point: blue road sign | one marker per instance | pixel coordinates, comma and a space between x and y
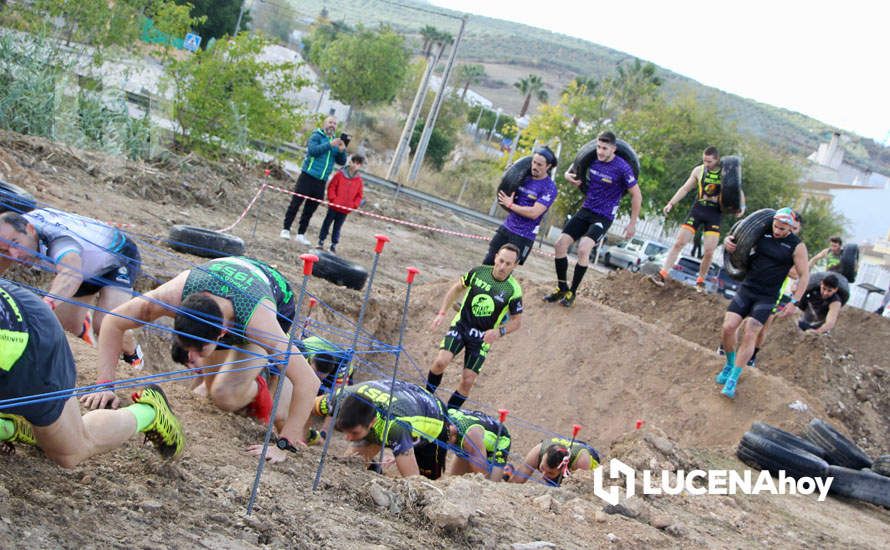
192, 41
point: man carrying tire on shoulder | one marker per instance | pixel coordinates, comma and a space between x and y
820, 306
527, 207
773, 254
610, 177
91, 260
35, 360
248, 307
831, 255
322, 152
706, 214
490, 293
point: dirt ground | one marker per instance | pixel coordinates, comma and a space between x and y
626, 352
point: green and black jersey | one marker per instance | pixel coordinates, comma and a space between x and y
576, 448
487, 300
416, 413
464, 420
245, 282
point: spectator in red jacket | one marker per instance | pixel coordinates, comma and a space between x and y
344, 195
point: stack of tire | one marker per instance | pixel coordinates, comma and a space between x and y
821, 452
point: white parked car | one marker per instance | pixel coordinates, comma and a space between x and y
635, 252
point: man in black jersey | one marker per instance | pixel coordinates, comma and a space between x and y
773, 255
491, 293
820, 307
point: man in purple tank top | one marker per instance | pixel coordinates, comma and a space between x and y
610, 177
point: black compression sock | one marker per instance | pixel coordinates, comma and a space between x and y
457, 400
432, 381
562, 268
580, 270
754, 355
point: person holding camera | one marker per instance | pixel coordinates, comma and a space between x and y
322, 152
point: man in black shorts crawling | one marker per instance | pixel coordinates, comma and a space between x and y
490, 293
415, 427
773, 255
35, 360
820, 307
610, 177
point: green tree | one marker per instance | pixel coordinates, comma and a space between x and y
437, 150
225, 97
530, 86
633, 85
221, 17
470, 74
820, 222
323, 33
275, 19
365, 68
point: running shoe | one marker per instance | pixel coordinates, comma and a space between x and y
285, 234
134, 360
723, 375
87, 331
720, 351
656, 278
165, 432
729, 388
24, 432
556, 296
315, 437
700, 286
568, 300
752, 362
300, 238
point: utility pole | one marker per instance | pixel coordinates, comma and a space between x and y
437, 104
240, 15
413, 114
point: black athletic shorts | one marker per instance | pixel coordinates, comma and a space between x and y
123, 277
46, 364
748, 304
459, 337
587, 224
504, 236
706, 216
430, 456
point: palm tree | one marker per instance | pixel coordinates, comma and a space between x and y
470, 74
430, 35
532, 85
634, 84
577, 90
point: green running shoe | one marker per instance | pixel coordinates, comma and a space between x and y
24, 432
165, 432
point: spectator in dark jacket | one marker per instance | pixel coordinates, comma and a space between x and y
322, 152
344, 195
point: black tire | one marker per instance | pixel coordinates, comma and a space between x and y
843, 287
586, 155
205, 243
881, 465
839, 450
731, 185
515, 175
769, 455
746, 232
786, 439
15, 199
850, 261
335, 269
864, 486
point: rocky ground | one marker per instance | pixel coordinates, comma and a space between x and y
627, 352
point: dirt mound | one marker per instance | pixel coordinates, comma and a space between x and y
846, 371
619, 356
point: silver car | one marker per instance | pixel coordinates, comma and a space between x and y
635, 252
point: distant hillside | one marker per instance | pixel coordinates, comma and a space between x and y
508, 48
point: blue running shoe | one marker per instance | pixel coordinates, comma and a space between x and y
723, 375
729, 389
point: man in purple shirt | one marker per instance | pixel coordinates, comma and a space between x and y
527, 207
610, 177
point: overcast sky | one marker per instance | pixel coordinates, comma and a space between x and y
828, 60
